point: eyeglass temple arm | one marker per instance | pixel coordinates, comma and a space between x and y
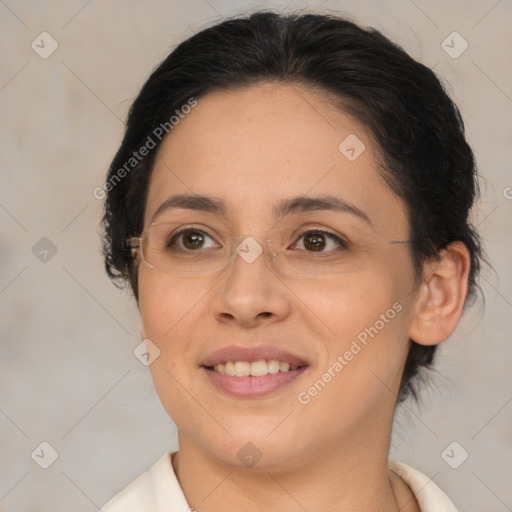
133, 244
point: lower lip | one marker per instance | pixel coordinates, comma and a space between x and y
252, 387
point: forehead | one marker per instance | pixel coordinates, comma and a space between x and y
253, 147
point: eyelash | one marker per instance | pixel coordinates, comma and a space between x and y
344, 244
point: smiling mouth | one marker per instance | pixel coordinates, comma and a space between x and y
253, 369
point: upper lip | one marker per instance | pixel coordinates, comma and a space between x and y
252, 354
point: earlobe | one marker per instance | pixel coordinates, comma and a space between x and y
441, 296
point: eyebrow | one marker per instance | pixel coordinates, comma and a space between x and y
297, 204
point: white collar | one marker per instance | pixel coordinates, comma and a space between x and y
158, 490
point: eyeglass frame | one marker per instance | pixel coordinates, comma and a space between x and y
135, 245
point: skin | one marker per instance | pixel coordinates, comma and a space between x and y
252, 148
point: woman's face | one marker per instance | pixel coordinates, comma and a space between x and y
252, 150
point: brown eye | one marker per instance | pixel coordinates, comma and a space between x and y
314, 242
317, 241
189, 239
193, 240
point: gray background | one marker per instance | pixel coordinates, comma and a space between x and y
68, 373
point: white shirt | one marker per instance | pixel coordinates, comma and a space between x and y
158, 490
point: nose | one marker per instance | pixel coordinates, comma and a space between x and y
251, 291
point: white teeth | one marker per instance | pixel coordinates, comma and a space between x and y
273, 366
230, 368
254, 369
242, 369
259, 368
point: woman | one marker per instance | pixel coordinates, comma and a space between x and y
290, 208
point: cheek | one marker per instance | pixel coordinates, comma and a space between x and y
368, 317
165, 301
169, 310
175, 315
361, 363
356, 302
166, 311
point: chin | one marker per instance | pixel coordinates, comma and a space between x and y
251, 449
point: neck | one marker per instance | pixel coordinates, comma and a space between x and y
351, 476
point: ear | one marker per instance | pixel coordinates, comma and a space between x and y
441, 296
